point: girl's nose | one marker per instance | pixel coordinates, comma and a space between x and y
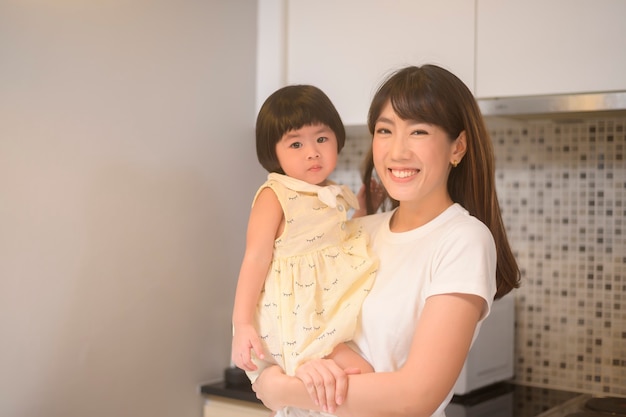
313, 154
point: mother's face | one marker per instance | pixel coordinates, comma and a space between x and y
413, 159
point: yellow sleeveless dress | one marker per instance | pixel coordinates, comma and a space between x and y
320, 274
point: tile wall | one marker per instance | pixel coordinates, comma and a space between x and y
562, 189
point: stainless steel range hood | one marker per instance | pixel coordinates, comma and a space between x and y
568, 105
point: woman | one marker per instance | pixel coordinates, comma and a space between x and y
443, 253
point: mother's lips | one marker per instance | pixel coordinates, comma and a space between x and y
403, 173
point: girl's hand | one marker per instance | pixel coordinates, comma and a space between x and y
378, 196
245, 340
326, 382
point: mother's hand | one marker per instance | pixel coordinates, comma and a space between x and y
266, 387
319, 384
325, 381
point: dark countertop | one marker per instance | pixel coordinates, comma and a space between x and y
238, 392
507, 399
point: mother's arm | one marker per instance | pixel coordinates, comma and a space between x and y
440, 344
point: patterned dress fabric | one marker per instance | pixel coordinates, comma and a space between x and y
320, 274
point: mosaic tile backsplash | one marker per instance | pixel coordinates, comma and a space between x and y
562, 190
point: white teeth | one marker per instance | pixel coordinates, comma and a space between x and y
403, 173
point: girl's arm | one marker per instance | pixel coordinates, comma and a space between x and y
440, 345
263, 227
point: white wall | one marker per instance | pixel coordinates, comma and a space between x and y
127, 169
271, 61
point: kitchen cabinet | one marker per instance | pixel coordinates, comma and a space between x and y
217, 406
538, 47
347, 47
498, 48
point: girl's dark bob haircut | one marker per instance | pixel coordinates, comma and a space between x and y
291, 108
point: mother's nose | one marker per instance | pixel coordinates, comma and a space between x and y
398, 147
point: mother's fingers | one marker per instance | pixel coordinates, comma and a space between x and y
324, 381
310, 376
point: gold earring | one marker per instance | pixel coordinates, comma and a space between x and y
455, 163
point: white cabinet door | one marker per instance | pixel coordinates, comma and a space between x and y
346, 47
535, 47
216, 406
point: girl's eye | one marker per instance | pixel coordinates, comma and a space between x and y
419, 132
322, 139
295, 145
382, 131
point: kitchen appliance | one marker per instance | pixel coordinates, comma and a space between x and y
500, 404
599, 407
491, 357
613, 102
503, 399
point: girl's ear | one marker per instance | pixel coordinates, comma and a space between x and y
459, 147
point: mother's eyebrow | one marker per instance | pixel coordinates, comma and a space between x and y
384, 120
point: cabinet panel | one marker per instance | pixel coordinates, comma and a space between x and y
536, 47
347, 47
226, 407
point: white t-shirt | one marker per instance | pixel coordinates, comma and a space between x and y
453, 253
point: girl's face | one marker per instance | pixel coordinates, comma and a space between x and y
308, 154
413, 160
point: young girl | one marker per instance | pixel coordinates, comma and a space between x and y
305, 273
443, 253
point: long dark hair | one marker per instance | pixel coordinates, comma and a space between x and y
433, 95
